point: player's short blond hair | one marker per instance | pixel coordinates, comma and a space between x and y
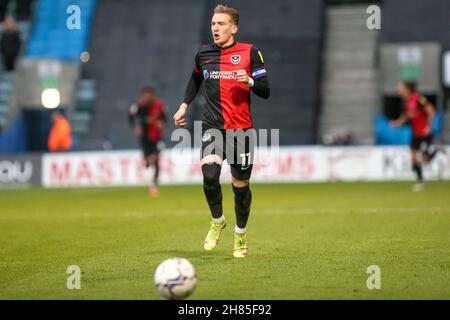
233, 13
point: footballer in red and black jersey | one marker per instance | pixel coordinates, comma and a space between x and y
147, 117
230, 71
417, 115
151, 117
419, 112
227, 100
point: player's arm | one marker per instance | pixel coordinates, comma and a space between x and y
399, 121
193, 85
429, 109
133, 113
258, 81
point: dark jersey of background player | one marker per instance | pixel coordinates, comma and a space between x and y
420, 113
150, 117
422, 137
415, 110
227, 101
147, 116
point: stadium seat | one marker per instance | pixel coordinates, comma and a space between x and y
51, 38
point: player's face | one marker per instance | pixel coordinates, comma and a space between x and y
147, 96
223, 30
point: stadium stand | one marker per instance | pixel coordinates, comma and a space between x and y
288, 34
349, 78
323, 70
398, 17
53, 41
12, 138
84, 106
51, 38
156, 49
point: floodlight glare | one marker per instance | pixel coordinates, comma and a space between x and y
51, 98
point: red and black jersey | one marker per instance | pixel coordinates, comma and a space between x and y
227, 100
151, 117
415, 110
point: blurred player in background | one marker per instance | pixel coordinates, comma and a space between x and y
420, 113
147, 117
230, 70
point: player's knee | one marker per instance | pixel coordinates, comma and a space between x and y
239, 183
211, 173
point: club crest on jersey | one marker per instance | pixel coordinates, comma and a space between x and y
205, 74
235, 58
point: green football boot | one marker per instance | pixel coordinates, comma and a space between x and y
213, 236
240, 245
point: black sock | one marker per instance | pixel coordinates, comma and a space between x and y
418, 169
214, 198
242, 202
212, 188
156, 175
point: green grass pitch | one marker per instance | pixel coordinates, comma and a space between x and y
306, 241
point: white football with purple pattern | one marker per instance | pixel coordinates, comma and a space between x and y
175, 278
